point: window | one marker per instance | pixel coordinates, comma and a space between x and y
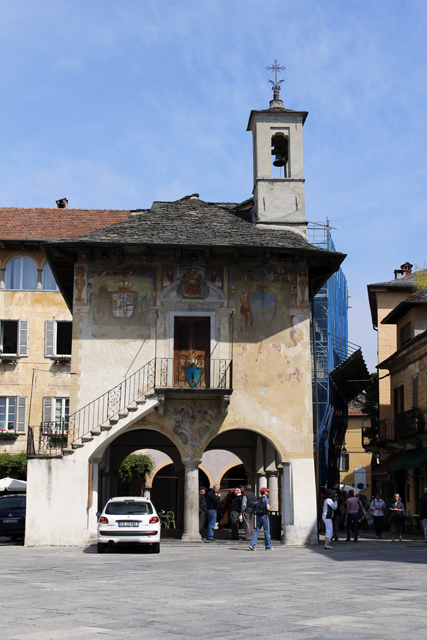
57, 338
399, 400
405, 334
13, 414
21, 273
14, 337
344, 462
415, 392
57, 411
48, 281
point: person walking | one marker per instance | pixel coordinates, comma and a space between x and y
352, 515
203, 509
248, 512
235, 513
261, 509
423, 512
377, 506
212, 502
397, 517
329, 508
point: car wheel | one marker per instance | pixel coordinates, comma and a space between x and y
101, 547
156, 547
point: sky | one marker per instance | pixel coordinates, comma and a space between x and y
117, 103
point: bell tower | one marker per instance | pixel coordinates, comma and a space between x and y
278, 163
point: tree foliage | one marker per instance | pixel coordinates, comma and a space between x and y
136, 465
420, 274
13, 465
371, 404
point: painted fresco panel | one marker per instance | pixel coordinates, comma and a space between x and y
120, 299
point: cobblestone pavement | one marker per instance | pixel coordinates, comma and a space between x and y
366, 590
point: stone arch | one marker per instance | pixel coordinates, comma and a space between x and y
229, 466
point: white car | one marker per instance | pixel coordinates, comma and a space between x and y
128, 519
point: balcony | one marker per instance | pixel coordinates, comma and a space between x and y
410, 424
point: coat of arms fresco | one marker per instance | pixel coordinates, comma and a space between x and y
121, 298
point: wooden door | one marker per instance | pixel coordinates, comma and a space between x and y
191, 352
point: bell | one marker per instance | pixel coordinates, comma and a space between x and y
280, 160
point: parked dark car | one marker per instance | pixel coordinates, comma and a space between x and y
12, 516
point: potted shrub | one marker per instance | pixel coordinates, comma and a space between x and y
8, 434
8, 359
62, 359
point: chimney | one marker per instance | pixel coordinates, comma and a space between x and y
405, 270
62, 203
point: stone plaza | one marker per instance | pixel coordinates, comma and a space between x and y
221, 591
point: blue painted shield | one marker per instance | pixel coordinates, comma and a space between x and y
263, 307
192, 375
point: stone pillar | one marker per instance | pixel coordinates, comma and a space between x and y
261, 482
191, 500
259, 466
180, 498
147, 492
39, 285
273, 485
287, 494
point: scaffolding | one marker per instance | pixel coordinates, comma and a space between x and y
332, 348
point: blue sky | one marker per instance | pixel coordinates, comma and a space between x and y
114, 104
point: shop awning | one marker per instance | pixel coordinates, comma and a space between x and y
409, 460
381, 472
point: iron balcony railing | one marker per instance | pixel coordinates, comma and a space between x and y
50, 438
409, 423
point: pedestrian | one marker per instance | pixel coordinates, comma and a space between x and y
235, 513
352, 515
423, 512
212, 502
329, 508
377, 506
397, 517
261, 509
337, 516
248, 512
203, 509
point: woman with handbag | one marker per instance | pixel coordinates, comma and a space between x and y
397, 517
352, 514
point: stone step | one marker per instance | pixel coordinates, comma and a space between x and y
78, 444
87, 438
123, 413
67, 452
106, 426
113, 420
97, 431
141, 400
132, 407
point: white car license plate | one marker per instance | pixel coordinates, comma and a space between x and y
128, 524
9, 521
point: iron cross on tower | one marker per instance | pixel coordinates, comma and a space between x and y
276, 85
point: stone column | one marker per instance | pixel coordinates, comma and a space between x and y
287, 494
273, 485
191, 500
261, 482
147, 492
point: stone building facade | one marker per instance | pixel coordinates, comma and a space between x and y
191, 334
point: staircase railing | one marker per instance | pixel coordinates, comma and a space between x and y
94, 414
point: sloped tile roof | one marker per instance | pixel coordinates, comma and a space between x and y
192, 222
54, 224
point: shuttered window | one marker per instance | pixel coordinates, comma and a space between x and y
57, 338
14, 337
13, 414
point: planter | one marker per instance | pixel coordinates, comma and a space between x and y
8, 435
58, 437
9, 359
62, 360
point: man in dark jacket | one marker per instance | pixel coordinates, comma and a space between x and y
212, 502
203, 509
235, 513
248, 512
423, 512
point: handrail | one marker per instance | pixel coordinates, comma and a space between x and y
94, 414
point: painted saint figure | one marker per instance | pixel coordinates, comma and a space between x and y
246, 319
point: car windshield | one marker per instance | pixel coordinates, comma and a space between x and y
128, 508
12, 503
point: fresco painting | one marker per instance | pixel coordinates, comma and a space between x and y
190, 421
262, 298
192, 279
121, 298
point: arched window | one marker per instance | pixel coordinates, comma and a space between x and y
21, 273
48, 281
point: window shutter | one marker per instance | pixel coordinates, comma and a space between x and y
49, 339
21, 417
48, 409
23, 338
347, 462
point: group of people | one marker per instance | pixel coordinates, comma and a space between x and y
339, 507
243, 508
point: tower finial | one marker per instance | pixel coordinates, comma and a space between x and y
275, 67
